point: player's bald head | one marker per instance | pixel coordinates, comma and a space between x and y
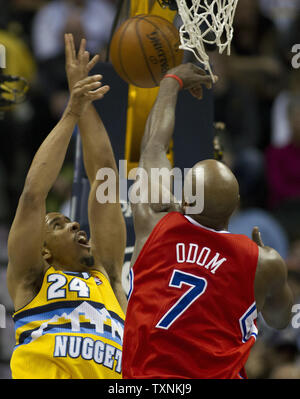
221, 191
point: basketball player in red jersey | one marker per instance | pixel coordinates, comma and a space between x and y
196, 288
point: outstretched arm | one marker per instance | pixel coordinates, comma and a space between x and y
26, 236
161, 121
158, 133
107, 225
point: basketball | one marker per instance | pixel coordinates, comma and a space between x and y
144, 48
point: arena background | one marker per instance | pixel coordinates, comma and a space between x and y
257, 97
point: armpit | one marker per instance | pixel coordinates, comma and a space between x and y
173, 207
33, 280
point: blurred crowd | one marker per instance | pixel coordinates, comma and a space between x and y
257, 97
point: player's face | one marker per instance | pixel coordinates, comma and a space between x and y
67, 244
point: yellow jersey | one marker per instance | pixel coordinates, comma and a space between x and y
73, 328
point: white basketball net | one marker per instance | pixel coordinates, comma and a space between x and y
206, 22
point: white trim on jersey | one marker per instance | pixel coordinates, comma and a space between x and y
204, 227
247, 325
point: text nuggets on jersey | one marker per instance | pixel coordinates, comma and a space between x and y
88, 349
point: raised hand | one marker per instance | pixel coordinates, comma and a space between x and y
78, 65
193, 77
84, 92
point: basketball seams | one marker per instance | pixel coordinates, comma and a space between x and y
163, 35
120, 53
161, 19
171, 31
143, 51
132, 53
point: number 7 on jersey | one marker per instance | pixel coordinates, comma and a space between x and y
198, 286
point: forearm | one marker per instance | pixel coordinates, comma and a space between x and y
97, 149
161, 121
49, 158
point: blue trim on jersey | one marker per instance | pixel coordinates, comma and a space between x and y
45, 312
243, 320
83, 275
85, 328
48, 315
131, 280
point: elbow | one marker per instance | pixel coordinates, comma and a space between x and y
279, 320
152, 147
277, 324
282, 324
31, 195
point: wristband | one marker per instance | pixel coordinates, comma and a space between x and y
169, 75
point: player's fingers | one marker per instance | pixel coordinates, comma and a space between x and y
202, 72
206, 80
93, 62
72, 45
88, 80
86, 57
102, 90
81, 50
256, 236
98, 93
198, 70
197, 92
89, 87
68, 49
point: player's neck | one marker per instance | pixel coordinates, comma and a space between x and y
63, 267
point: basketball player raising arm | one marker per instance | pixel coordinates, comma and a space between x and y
65, 288
106, 221
196, 288
156, 139
27, 243
274, 297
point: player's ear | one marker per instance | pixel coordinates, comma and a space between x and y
46, 253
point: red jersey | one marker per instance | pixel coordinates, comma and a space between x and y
191, 311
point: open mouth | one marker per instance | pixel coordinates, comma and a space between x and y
82, 239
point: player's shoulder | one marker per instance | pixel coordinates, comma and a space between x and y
269, 256
271, 266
